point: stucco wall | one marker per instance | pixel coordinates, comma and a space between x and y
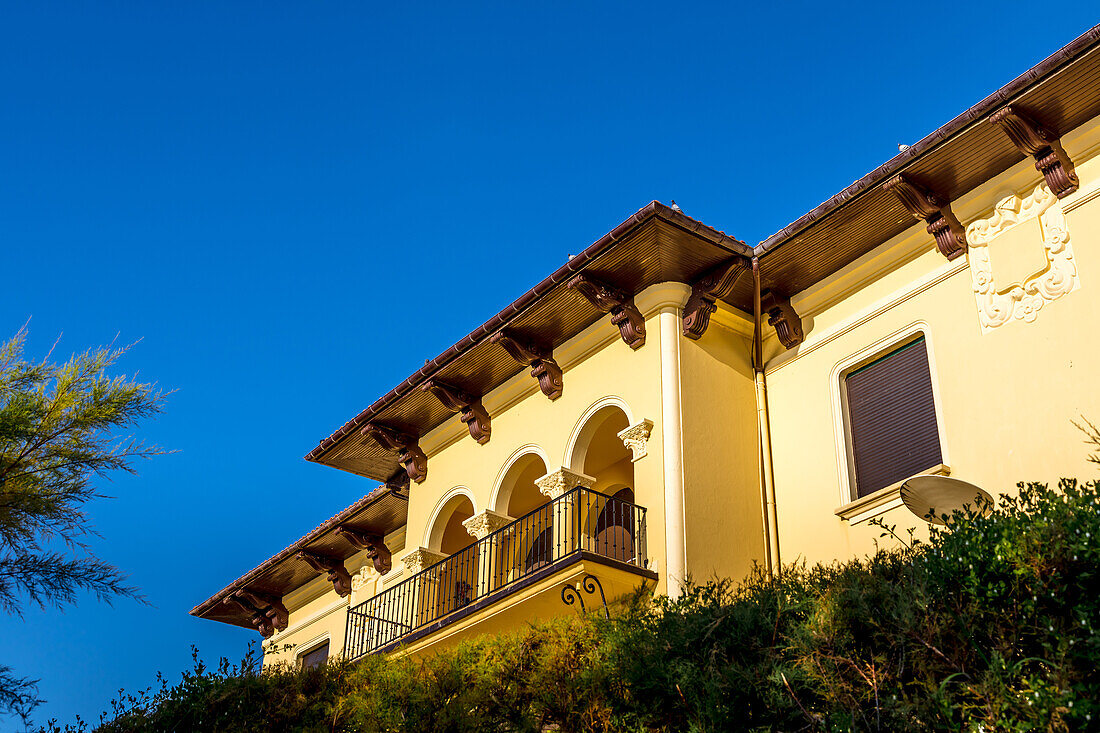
1006, 396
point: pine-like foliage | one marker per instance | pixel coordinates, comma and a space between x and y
60, 428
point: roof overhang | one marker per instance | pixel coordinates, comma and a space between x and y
376, 514
656, 244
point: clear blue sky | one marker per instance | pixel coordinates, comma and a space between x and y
294, 205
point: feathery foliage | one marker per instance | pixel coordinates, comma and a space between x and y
59, 426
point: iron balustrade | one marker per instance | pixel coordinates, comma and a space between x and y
581, 520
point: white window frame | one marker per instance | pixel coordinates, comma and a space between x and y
856, 509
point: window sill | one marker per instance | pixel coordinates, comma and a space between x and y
883, 500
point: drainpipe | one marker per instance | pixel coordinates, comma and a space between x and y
672, 450
767, 482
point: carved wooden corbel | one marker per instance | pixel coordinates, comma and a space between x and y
276, 611
406, 446
337, 573
1041, 144
456, 400
934, 210
783, 318
718, 282
607, 299
257, 618
373, 544
541, 361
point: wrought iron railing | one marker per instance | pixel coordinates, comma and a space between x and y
581, 520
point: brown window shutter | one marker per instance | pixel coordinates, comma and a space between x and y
892, 418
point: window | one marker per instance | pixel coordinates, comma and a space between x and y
315, 657
891, 416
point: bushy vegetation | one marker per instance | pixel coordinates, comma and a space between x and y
988, 626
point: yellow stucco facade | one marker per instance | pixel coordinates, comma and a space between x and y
668, 434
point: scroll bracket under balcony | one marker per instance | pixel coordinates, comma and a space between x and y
589, 584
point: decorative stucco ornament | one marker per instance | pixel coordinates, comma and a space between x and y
483, 524
563, 480
635, 438
1020, 258
363, 583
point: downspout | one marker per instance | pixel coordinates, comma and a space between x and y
767, 482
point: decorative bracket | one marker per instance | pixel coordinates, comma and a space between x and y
607, 299
717, 282
276, 611
934, 210
258, 618
406, 446
372, 543
1041, 144
783, 318
541, 361
337, 573
457, 400
590, 583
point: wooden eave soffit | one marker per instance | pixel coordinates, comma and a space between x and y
541, 361
337, 574
467, 405
716, 283
1045, 147
376, 549
407, 448
608, 299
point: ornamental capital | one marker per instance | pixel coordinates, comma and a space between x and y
635, 438
483, 524
421, 558
559, 482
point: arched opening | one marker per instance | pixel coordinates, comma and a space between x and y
453, 583
519, 493
599, 452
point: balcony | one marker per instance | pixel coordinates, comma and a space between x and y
518, 568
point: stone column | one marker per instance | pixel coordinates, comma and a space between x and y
480, 526
568, 512
425, 585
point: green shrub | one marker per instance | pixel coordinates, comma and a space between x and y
988, 626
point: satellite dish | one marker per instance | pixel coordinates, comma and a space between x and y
930, 497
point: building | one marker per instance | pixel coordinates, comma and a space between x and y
673, 402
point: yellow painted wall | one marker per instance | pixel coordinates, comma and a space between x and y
1007, 397
721, 474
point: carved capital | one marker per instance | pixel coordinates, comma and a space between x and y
543, 366
1044, 146
469, 406
420, 559
608, 299
559, 482
783, 318
483, 524
934, 210
716, 283
406, 446
376, 549
635, 438
337, 574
